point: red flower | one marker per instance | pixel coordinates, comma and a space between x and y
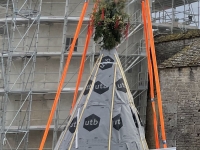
102, 14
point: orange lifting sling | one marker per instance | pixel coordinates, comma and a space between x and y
146, 8
150, 77
64, 74
80, 74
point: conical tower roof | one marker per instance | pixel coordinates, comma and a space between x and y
105, 117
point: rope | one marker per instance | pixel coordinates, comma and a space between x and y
150, 77
64, 75
84, 106
130, 98
111, 108
73, 112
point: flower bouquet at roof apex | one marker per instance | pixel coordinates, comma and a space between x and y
111, 23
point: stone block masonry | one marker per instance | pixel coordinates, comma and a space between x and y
180, 88
178, 57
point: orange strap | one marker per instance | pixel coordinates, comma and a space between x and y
64, 75
81, 70
156, 74
89, 34
155, 125
150, 77
147, 50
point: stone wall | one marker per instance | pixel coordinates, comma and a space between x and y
165, 50
180, 88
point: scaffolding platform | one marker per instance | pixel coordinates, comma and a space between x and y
43, 19
60, 19
169, 25
64, 90
33, 128
42, 54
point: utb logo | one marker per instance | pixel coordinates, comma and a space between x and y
106, 66
87, 89
100, 88
91, 122
121, 86
73, 124
117, 122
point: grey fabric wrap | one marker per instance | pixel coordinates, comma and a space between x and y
93, 131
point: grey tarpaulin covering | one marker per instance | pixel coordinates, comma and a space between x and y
93, 130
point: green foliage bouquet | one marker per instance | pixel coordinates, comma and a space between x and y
110, 23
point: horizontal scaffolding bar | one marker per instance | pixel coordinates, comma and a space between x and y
39, 127
46, 54
169, 25
54, 19
60, 19
41, 54
65, 90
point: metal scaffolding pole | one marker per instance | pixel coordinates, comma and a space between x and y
4, 98
63, 50
134, 58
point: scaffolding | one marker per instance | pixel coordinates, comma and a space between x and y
35, 36
175, 15
31, 67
